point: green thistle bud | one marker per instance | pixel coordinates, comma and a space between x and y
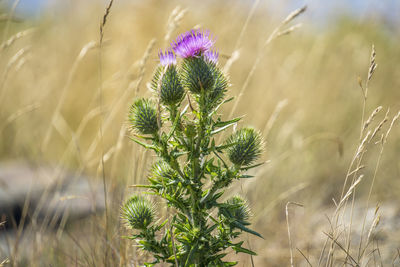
138, 212
198, 74
161, 171
239, 209
170, 87
218, 91
246, 146
143, 116
190, 130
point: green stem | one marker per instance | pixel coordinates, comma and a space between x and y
167, 156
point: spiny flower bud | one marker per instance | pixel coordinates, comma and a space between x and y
198, 74
169, 87
143, 116
172, 90
162, 171
190, 130
246, 146
166, 80
239, 208
220, 84
138, 212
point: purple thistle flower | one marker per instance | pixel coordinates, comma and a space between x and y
192, 43
168, 58
211, 56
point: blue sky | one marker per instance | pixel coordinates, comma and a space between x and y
323, 9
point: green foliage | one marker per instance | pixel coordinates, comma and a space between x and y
191, 173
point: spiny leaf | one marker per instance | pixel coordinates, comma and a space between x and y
244, 228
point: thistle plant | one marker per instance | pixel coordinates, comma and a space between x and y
193, 170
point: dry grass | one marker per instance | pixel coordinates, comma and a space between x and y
301, 88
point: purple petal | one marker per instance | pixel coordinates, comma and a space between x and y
192, 43
167, 58
211, 56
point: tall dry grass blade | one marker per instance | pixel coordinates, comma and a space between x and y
356, 170
288, 229
371, 70
373, 227
234, 57
363, 142
4, 262
284, 195
21, 225
62, 127
81, 248
142, 64
379, 127
10, 19
274, 116
15, 37
384, 139
349, 193
249, 246
19, 113
21, 62
373, 64
246, 23
102, 25
294, 14
174, 20
10, 64
133, 86
394, 120
396, 256
289, 30
104, 20
355, 263
118, 147
260, 54
371, 117
85, 49
304, 256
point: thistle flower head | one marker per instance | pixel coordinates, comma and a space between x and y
211, 56
192, 43
245, 146
166, 59
143, 116
138, 212
239, 208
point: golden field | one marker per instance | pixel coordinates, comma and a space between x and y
64, 101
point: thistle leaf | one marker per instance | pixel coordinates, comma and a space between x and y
244, 228
152, 147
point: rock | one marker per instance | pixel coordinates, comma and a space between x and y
45, 195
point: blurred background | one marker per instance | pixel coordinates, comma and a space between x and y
62, 110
